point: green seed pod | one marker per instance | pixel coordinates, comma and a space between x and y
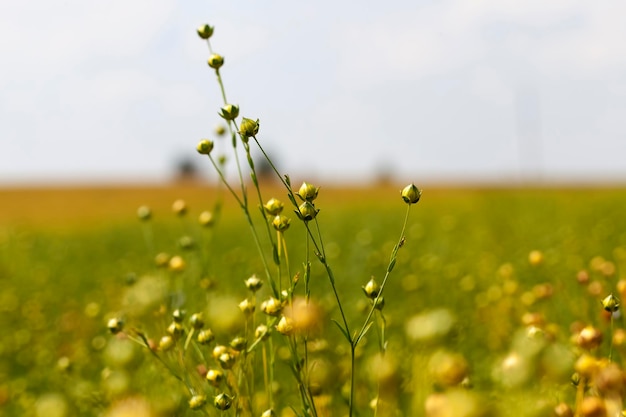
205, 31
272, 307
239, 343
206, 219
254, 283
197, 401
197, 321
281, 223
222, 402
205, 337
215, 61
214, 377
411, 194
371, 289
248, 128
115, 325
610, 303
229, 111
247, 307
308, 192
205, 146
144, 213
273, 207
307, 211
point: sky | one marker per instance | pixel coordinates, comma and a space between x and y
426, 91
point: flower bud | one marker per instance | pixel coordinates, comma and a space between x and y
261, 332
239, 343
177, 264
271, 307
205, 337
197, 321
220, 130
371, 289
247, 307
268, 413
179, 315
206, 219
307, 211
176, 329
222, 402
254, 283
205, 146
285, 326
535, 258
589, 338
218, 350
144, 213
205, 31
380, 303
308, 192
162, 260
273, 207
179, 207
197, 401
610, 303
411, 194
215, 61
214, 377
281, 223
248, 128
226, 360
115, 325
229, 111
166, 343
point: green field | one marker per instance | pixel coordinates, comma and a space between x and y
463, 292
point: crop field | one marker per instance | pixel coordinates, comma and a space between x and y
498, 303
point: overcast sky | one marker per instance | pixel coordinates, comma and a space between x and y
426, 90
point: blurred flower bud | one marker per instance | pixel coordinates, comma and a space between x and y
371, 289
144, 213
166, 343
610, 303
307, 211
177, 264
175, 329
268, 413
214, 377
115, 325
273, 207
179, 315
226, 360
563, 410
215, 61
162, 260
206, 219
589, 338
186, 242
247, 307
196, 320
248, 128
271, 307
205, 31
205, 336
308, 192
197, 401
448, 369
586, 366
179, 207
281, 223
379, 303
222, 402
592, 407
253, 283
220, 130
535, 258
411, 194
229, 112
261, 332
285, 326
239, 343
205, 146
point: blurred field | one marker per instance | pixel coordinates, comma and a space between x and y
70, 256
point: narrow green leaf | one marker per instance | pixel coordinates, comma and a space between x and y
343, 331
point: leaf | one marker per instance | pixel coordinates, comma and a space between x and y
391, 265
363, 333
343, 331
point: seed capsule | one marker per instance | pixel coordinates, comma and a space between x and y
222, 402
229, 111
411, 194
215, 61
205, 146
273, 207
610, 303
205, 31
115, 325
308, 192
